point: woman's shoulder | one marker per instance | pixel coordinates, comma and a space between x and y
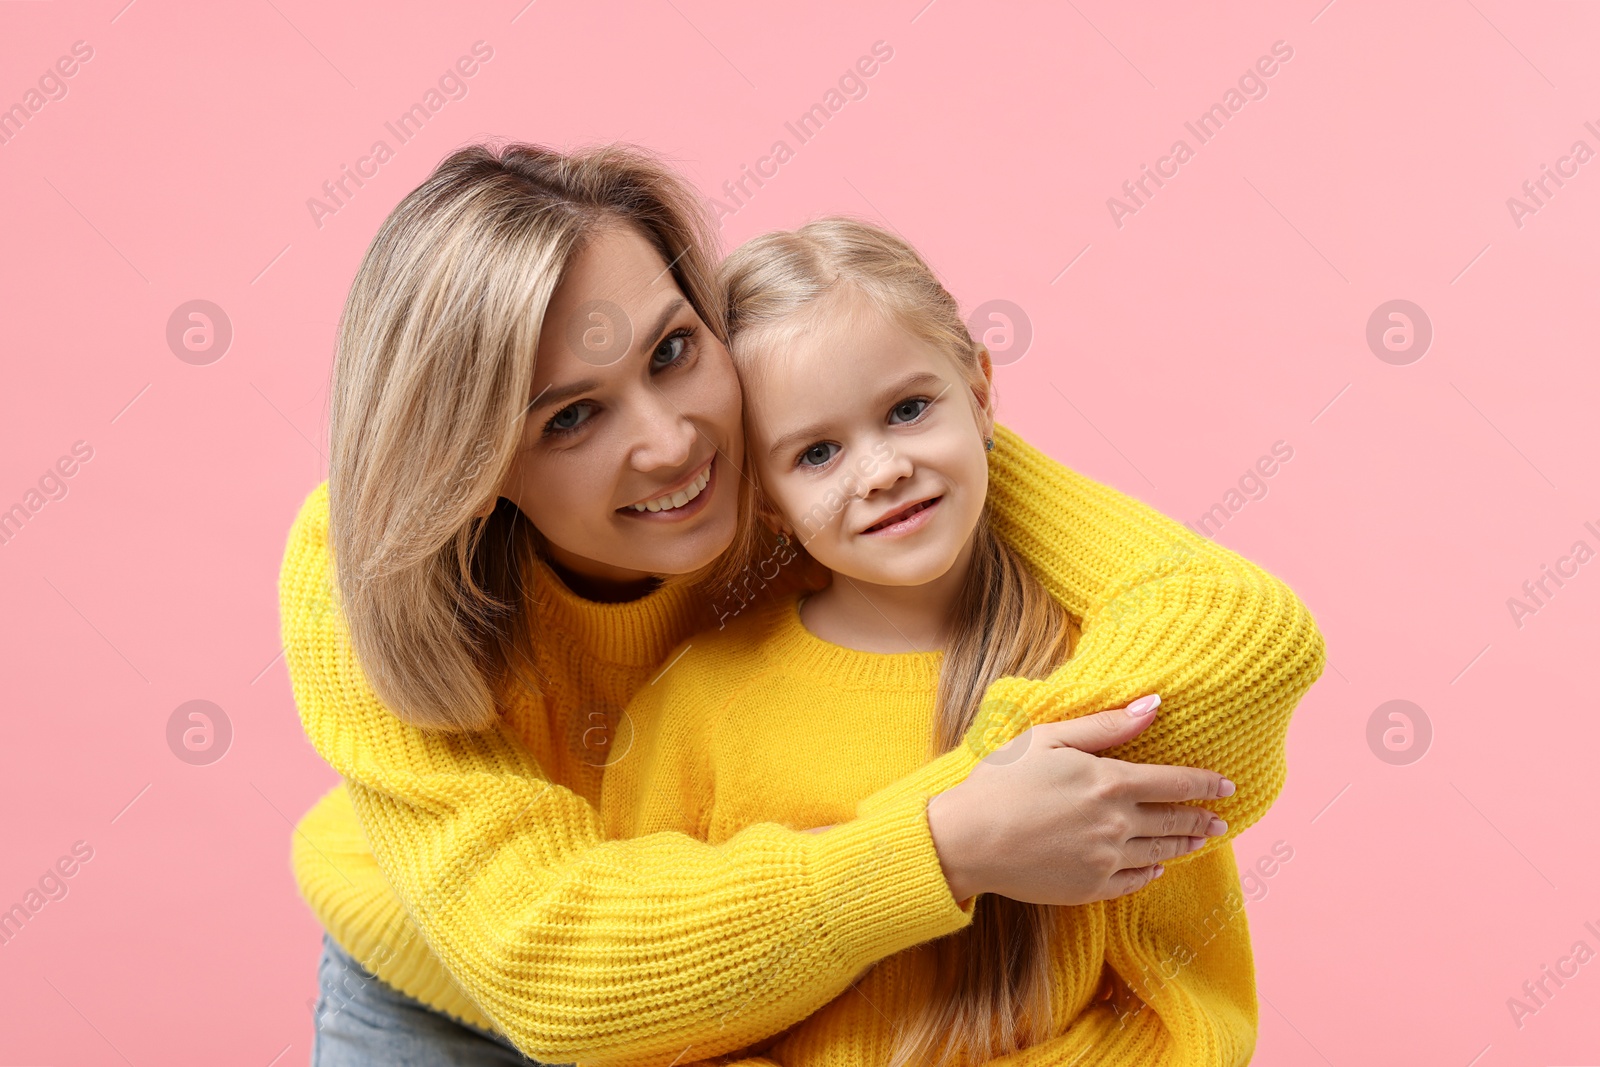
311, 517
305, 581
303, 573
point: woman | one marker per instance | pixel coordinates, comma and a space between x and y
497, 529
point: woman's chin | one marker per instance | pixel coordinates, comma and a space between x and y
692, 552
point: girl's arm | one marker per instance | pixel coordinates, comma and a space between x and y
576, 947
1229, 647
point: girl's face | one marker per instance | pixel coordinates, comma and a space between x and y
632, 446
869, 445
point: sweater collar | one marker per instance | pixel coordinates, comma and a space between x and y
636, 633
787, 642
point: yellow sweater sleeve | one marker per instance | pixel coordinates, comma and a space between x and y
664, 781
1229, 647
1182, 944
1098, 1037
581, 949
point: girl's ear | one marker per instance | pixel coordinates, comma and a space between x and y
984, 394
769, 518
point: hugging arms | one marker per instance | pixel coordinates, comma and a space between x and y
493, 890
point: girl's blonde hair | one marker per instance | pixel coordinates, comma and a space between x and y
430, 386
992, 994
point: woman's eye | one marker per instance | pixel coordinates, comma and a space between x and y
909, 410
570, 418
817, 455
671, 349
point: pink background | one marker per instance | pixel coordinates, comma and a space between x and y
1228, 313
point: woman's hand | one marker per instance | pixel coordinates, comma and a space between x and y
1042, 820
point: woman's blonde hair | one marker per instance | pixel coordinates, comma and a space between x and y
430, 387
992, 992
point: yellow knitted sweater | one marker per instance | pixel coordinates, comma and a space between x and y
765, 722
472, 871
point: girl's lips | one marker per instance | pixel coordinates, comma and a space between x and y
687, 511
905, 520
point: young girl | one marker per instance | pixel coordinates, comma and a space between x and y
869, 412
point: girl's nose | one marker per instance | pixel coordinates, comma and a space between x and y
884, 471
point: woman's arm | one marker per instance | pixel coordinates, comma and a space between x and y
1098, 1036
1229, 647
579, 948
1180, 951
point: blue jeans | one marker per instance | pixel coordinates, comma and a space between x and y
361, 1022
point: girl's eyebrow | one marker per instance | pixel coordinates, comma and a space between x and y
812, 431
911, 381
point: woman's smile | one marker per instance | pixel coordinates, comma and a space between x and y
685, 500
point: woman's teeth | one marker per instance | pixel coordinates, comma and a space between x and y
680, 498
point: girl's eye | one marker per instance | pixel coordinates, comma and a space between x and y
909, 410
818, 454
671, 350
569, 418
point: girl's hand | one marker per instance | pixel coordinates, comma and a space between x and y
1042, 820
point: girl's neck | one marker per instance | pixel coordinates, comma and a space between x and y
888, 618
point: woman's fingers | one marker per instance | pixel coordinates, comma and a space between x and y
1103, 729
1162, 783
1132, 880
1176, 820
1150, 851
1166, 831
1153, 852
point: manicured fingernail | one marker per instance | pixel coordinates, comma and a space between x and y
1144, 705
1160, 870
1196, 842
1216, 826
1225, 789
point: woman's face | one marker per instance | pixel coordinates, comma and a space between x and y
632, 446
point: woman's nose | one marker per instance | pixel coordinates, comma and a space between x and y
666, 436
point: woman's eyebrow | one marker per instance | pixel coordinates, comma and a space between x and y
549, 396
649, 339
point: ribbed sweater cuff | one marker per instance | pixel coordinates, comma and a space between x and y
882, 879
926, 782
